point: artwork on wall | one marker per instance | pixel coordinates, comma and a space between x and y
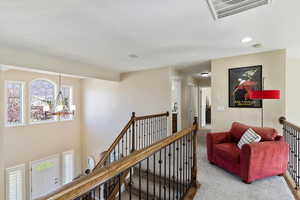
241, 82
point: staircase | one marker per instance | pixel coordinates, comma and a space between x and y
142, 163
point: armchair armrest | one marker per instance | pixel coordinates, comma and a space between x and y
215, 138
263, 159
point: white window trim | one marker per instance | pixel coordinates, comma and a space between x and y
31, 122
71, 102
15, 168
63, 165
22, 123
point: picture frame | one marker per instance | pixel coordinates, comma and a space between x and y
241, 81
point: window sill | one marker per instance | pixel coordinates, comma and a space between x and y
43, 122
14, 125
38, 123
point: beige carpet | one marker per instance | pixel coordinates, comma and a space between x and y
217, 184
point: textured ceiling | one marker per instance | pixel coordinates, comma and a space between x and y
161, 33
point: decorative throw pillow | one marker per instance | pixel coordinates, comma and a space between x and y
249, 137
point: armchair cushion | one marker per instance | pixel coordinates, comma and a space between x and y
238, 129
228, 151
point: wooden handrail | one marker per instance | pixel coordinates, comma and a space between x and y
101, 175
282, 120
151, 116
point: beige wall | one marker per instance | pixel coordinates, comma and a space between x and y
204, 82
292, 90
32, 142
1, 139
273, 69
107, 106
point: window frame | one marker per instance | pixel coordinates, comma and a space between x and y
30, 121
20, 167
71, 152
71, 102
22, 123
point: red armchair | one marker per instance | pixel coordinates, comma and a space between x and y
254, 161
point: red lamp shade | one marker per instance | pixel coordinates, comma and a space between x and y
265, 94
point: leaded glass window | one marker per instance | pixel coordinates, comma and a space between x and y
14, 98
42, 97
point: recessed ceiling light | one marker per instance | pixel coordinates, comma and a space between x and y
247, 39
133, 56
204, 74
258, 45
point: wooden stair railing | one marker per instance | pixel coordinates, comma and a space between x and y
138, 133
291, 133
172, 159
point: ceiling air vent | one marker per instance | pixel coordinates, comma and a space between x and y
224, 8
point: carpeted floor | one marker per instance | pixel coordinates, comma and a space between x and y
217, 184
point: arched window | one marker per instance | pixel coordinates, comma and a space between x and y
42, 97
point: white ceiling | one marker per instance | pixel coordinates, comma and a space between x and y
161, 32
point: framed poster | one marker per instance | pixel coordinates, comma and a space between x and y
241, 82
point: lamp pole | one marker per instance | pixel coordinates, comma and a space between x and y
262, 104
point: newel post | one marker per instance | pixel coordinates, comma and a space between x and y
133, 132
194, 170
282, 119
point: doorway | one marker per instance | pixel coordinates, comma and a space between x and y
205, 107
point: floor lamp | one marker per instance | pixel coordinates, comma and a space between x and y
264, 94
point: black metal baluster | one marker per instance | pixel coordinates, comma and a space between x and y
294, 144
166, 126
154, 129
174, 166
130, 140
126, 144
140, 189
292, 155
120, 184
130, 182
133, 133
99, 192
180, 168
143, 127
170, 154
177, 166
148, 135
154, 161
122, 155
160, 162
114, 154
139, 135
118, 150
298, 158
165, 172
186, 162
159, 129
183, 165
150, 131
147, 178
